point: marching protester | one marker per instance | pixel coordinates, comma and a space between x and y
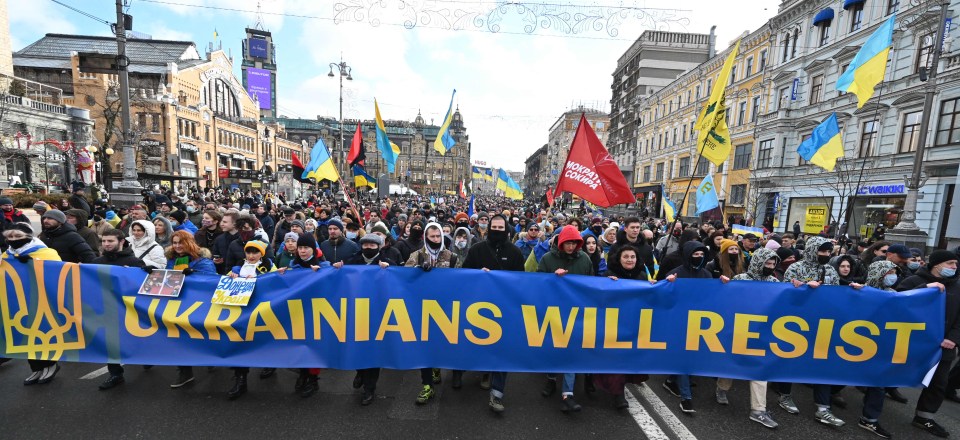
338, 247
63, 238
9, 217
255, 263
209, 229
144, 246
79, 219
185, 255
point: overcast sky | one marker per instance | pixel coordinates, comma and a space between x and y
511, 85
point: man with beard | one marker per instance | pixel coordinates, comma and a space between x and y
115, 253
221, 244
412, 243
338, 248
9, 217
494, 253
63, 237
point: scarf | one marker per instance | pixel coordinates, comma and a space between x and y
181, 263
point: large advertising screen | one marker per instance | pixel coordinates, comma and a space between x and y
257, 47
258, 85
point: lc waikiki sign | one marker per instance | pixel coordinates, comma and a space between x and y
882, 190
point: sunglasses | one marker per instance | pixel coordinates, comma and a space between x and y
535, 229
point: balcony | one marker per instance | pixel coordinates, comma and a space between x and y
31, 94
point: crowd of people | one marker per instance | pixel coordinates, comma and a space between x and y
248, 234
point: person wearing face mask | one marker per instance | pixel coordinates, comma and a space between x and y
813, 271
940, 272
595, 229
432, 255
388, 252
99, 224
194, 213
729, 261
338, 247
915, 261
209, 229
353, 231
24, 247
694, 266
483, 223
247, 227
461, 244
412, 243
180, 222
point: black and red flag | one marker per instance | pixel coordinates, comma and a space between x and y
356, 156
298, 169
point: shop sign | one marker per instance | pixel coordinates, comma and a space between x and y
815, 220
882, 189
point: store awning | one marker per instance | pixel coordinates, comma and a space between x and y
824, 16
847, 4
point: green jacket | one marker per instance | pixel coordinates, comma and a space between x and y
577, 264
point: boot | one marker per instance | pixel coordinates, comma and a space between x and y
310, 386
301, 381
239, 386
457, 381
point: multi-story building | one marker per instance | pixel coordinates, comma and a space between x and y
419, 167
652, 62
548, 160
258, 70
813, 43
193, 121
536, 172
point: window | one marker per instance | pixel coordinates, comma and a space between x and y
892, 6
765, 154
703, 167
816, 89
684, 170
786, 47
697, 94
742, 113
868, 138
856, 16
741, 157
755, 110
749, 67
910, 134
709, 84
763, 60
738, 194
670, 170
206, 133
142, 120
824, 33
924, 52
796, 39
784, 97
733, 74
659, 172
646, 173
948, 125
675, 136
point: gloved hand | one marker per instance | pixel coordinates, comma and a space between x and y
23, 258
426, 267
147, 269
188, 271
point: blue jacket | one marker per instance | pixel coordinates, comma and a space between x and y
187, 225
343, 250
526, 246
542, 249
200, 265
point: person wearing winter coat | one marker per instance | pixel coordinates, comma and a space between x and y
24, 247
178, 219
163, 230
79, 219
115, 253
592, 249
338, 248
9, 216
63, 238
461, 244
143, 245
412, 243
529, 239
729, 260
849, 269
288, 251
100, 224
940, 272
247, 226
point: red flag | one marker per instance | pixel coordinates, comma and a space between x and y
463, 191
549, 197
298, 169
356, 156
591, 173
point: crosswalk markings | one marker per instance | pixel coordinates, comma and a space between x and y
680, 430
649, 426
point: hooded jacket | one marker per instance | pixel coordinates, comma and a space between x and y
89, 235
16, 216
147, 248
165, 240
674, 259
576, 263
755, 269
921, 279
645, 257
808, 269
527, 245
70, 246
857, 272
461, 253
614, 268
500, 256
421, 257
35, 250
409, 245
875, 273
687, 270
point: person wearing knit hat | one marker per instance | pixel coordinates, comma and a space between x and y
254, 265
288, 250
336, 223
379, 227
41, 207
297, 224
337, 248
55, 215
182, 222
9, 216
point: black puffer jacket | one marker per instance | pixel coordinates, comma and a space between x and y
923, 277
687, 270
124, 257
88, 234
71, 247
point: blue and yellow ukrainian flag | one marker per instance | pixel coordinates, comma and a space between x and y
669, 209
508, 186
361, 178
869, 65
444, 141
476, 173
389, 150
321, 165
824, 146
488, 174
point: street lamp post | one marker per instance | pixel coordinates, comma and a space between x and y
344, 70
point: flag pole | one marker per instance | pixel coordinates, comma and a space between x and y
343, 186
856, 189
676, 215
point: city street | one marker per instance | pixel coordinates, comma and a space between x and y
145, 407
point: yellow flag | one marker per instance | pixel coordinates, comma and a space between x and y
714, 137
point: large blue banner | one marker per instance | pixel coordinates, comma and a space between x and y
358, 317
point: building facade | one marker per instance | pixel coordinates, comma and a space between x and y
193, 122
258, 70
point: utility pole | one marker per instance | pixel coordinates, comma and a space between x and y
129, 187
907, 231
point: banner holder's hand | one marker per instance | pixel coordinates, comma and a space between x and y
797, 283
857, 286
384, 265
937, 285
560, 272
724, 279
948, 344
671, 278
613, 278
337, 265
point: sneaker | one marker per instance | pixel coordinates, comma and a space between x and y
570, 405
549, 388
32, 378
764, 418
686, 405
930, 426
4, 360
786, 402
826, 417
267, 373
485, 381
875, 428
672, 387
496, 404
111, 382
722, 397
620, 402
436, 376
47, 375
357, 381
366, 397
426, 394
183, 378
